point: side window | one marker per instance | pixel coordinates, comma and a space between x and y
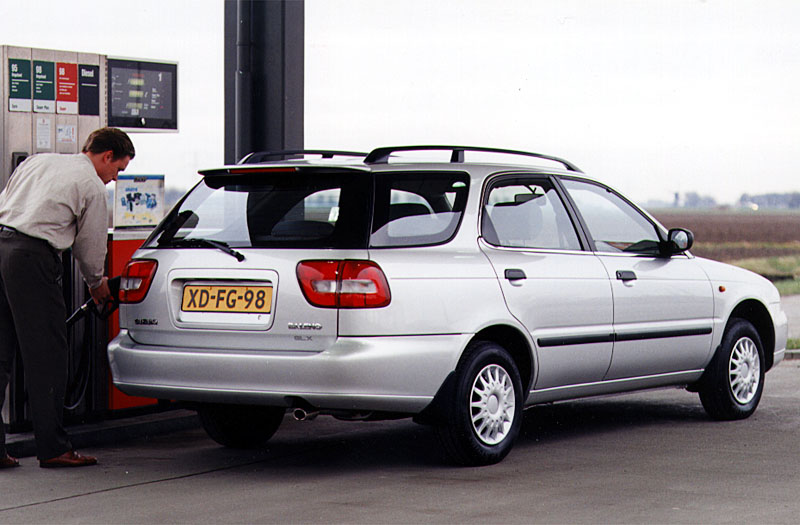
614, 225
405, 203
527, 213
417, 209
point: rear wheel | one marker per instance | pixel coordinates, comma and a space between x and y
734, 379
483, 414
240, 426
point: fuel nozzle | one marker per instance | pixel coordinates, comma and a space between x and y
89, 306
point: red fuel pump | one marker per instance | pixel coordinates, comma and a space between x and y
121, 245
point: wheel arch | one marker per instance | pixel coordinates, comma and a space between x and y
510, 338
757, 314
515, 342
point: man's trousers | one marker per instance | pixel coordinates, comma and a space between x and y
32, 314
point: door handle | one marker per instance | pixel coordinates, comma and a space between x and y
626, 275
514, 274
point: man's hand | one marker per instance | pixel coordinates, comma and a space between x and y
101, 294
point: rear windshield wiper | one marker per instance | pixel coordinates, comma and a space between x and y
199, 242
185, 219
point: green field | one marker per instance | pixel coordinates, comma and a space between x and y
783, 271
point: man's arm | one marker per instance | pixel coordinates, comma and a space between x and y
90, 246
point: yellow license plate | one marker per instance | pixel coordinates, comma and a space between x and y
236, 299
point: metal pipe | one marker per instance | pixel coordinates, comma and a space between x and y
301, 414
244, 80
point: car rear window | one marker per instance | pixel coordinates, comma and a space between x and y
417, 208
319, 209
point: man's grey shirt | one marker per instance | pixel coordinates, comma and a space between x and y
61, 199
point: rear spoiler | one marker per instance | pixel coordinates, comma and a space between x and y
254, 170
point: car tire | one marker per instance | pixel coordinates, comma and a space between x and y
483, 412
734, 380
240, 426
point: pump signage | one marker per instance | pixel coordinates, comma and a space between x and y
88, 90
19, 84
67, 88
44, 87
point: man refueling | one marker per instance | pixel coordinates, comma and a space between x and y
52, 202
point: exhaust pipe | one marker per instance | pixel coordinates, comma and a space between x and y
301, 414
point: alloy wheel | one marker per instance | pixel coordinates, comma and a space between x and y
492, 404
744, 370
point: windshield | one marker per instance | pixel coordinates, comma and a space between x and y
295, 210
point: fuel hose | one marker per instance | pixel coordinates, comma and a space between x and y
78, 382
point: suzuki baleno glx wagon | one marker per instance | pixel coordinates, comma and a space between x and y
374, 286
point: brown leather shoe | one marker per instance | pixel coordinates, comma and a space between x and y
68, 459
8, 462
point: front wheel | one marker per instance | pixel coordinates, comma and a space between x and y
240, 426
484, 413
734, 380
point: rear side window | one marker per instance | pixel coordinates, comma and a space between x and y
417, 209
527, 213
286, 210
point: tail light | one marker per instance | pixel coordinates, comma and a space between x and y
136, 280
343, 284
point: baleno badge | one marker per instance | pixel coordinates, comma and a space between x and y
305, 326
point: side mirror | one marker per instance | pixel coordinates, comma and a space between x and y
679, 240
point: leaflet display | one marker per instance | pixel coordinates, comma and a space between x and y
139, 200
142, 95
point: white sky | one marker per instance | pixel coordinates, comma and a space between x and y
652, 97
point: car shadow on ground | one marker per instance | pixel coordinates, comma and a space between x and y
326, 445
554, 422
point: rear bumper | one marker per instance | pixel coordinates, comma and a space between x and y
394, 374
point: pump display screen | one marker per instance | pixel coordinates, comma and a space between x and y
142, 95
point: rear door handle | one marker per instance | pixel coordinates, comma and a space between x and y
626, 275
514, 274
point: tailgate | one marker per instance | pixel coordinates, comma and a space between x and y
206, 299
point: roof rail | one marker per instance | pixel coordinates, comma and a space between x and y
260, 156
381, 155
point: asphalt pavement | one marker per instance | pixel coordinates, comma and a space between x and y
648, 457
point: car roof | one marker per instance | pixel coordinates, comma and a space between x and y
388, 159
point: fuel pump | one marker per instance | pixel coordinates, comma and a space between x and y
50, 101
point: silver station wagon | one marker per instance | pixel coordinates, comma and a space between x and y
456, 292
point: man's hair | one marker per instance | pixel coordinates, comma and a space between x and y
109, 139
